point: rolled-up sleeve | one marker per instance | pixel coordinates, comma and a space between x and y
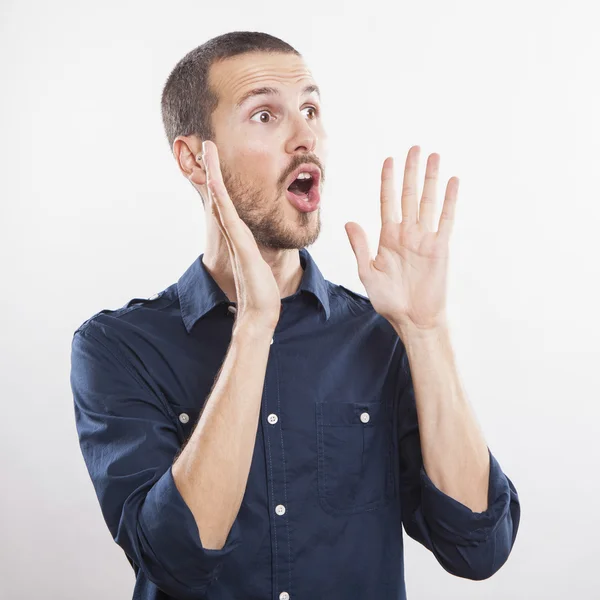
129, 442
473, 545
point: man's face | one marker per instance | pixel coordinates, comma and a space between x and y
263, 140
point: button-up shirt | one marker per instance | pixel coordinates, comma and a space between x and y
336, 470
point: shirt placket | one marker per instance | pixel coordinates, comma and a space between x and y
277, 478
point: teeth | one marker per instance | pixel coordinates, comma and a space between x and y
304, 175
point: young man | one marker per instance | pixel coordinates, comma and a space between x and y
257, 431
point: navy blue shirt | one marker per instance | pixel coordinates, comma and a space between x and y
337, 466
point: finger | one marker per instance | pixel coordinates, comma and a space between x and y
235, 265
217, 215
428, 199
214, 182
213, 201
446, 223
240, 240
360, 246
409, 186
389, 209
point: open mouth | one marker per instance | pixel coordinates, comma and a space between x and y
302, 185
304, 190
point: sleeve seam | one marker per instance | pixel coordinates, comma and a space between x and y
118, 356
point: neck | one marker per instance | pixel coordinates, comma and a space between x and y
285, 265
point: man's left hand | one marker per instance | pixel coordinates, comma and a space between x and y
406, 281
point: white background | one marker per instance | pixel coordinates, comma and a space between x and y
94, 212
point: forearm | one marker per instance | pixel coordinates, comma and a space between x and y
212, 470
455, 454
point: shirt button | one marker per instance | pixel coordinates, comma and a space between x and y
365, 417
232, 309
184, 417
280, 509
272, 340
284, 596
272, 418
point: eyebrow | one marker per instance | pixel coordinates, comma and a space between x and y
271, 91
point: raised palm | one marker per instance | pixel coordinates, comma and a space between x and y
406, 281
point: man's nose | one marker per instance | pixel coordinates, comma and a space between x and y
303, 138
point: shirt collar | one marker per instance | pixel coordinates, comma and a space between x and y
198, 291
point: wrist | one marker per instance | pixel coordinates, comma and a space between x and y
254, 329
409, 330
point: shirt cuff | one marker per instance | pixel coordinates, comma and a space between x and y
456, 522
172, 537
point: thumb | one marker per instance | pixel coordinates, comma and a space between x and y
360, 246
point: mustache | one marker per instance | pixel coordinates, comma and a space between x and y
301, 160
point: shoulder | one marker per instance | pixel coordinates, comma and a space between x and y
346, 300
155, 302
351, 294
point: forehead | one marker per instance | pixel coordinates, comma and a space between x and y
233, 77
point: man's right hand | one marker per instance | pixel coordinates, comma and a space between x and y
258, 295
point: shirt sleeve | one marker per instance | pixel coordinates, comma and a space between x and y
129, 441
467, 544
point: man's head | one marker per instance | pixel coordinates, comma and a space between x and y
254, 97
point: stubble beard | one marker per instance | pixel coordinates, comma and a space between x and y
266, 219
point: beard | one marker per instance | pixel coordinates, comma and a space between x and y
266, 220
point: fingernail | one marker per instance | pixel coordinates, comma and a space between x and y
203, 147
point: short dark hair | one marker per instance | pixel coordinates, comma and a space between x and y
187, 101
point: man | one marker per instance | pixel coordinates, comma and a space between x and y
257, 431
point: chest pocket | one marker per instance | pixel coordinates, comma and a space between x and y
354, 445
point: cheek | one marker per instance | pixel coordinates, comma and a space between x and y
258, 166
323, 152
322, 144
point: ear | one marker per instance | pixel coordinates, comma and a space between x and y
188, 152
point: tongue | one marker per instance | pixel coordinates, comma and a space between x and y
300, 188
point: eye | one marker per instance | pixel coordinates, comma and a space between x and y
261, 113
315, 111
